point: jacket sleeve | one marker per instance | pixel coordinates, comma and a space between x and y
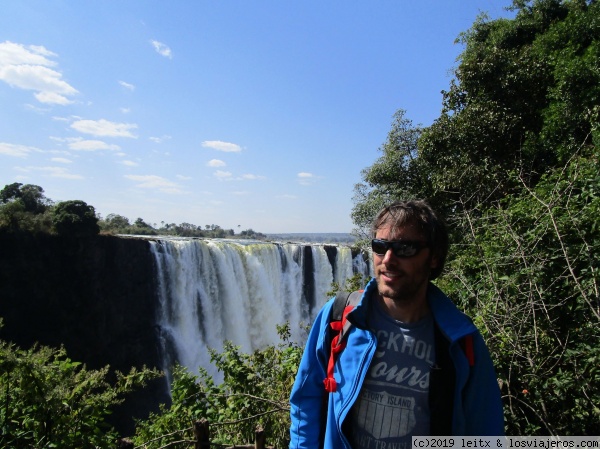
308, 392
483, 411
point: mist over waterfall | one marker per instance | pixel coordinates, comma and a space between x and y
211, 291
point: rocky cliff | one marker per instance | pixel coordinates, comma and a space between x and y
96, 297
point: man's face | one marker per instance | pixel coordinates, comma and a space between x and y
402, 278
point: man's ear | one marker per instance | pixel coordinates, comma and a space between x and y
434, 261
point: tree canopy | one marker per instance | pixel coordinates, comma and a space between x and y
511, 163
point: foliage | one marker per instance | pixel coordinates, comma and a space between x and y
511, 163
254, 392
75, 218
526, 90
396, 174
24, 208
356, 282
529, 275
48, 401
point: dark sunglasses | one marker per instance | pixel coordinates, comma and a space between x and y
400, 248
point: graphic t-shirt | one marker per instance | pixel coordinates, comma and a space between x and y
393, 403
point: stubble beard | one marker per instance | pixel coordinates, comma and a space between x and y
406, 288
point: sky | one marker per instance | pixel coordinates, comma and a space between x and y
246, 114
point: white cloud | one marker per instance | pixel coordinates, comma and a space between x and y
219, 145
160, 139
156, 183
306, 179
162, 49
127, 85
223, 174
252, 177
10, 149
61, 160
91, 145
28, 68
215, 163
104, 128
129, 163
125, 110
183, 178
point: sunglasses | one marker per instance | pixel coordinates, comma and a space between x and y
400, 248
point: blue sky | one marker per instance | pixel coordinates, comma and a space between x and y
244, 114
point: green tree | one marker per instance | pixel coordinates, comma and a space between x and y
50, 401
75, 218
116, 222
396, 174
23, 208
30, 196
526, 92
512, 164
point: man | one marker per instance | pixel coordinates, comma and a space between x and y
414, 365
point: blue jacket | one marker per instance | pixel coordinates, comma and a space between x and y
473, 407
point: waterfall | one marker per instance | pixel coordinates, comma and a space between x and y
211, 291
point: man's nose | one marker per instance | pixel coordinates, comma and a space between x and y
388, 256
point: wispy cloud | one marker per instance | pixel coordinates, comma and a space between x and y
160, 139
127, 86
228, 176
104, 128
252, 177
219, 145
129, 163
223, 174
61, 160
162, 49
28, 68
91, 145
11, 149
53, 172
306, 179
156, 183
215, 163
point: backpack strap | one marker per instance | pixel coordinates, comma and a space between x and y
339, 324
467, 346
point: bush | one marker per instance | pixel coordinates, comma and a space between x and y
255, 391
48, 401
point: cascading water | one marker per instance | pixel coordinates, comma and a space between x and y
211, 291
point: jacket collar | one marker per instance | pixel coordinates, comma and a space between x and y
453, 323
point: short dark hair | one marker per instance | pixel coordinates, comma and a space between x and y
419, 213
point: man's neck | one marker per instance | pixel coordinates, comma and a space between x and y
405, 310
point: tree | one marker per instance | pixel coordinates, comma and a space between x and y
116, 222
526, 93
512, 164
75, 218
31, 196
49, 400
24, 208
396, 174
